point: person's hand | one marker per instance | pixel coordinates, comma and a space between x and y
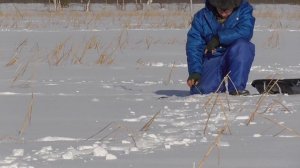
212, 44
193, 79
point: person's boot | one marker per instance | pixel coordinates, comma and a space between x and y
239, 93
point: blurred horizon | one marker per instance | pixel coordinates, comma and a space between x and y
145, 1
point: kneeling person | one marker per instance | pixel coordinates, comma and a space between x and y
218, 43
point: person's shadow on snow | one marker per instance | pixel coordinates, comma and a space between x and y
169, 93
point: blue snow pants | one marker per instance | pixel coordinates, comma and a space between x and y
236, 61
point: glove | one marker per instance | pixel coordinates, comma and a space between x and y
193, 79
212, 44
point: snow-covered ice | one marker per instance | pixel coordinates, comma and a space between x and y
107, 88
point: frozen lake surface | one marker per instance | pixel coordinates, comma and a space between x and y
107, 88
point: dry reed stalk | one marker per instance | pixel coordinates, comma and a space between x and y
259, 102
210, 113
232, 82
227, 122
287, 109
215, 102
140, 62
20, 72
268, 108
273, 40
219, 154
140, 20
64, 56
69, 54
169, 23
191, 9
110, 133
88, 22
74, 52
19, 14
12, 61
281, 131
18, 50
123, 39
9, 138
228, 102
104, 57
148, 124
82, 54
211, 97
265, 130
211, 147
28, 117
167, 82
133, 140
98, 132
127, 23
57, 55
92, 43
114, 131
88, 6
148, 41
172, 41
208, 102
130, 133
271, 105
34, 59
280, 125
257, 106
223, 82
55, 4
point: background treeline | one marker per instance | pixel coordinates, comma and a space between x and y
145, 1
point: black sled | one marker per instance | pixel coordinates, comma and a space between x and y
277, 86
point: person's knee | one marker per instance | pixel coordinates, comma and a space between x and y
240, 43
242, 49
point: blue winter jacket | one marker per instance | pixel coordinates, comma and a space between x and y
240, 24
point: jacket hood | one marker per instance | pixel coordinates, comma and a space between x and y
223, 4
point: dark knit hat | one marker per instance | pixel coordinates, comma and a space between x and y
225, 4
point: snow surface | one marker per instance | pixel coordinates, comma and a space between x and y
62, 107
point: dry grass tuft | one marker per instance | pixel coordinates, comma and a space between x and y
260, 101
216, 99
105, 57
92, 43
212, 146
58, 53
